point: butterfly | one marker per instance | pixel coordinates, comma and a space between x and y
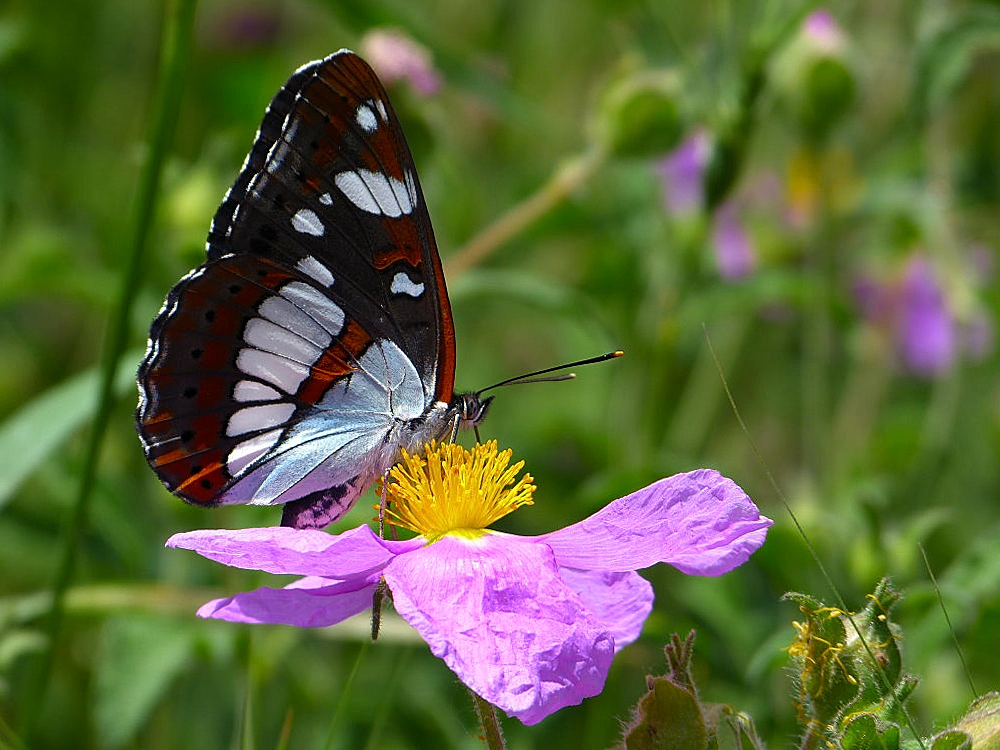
316, 341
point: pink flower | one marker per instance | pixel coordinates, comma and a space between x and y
926, 337
735, 254
682, 173
529, 623
822, 30
397, 57
915, 313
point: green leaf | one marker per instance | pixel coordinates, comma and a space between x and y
982, 722
669, 719
743, 728
946, 57
863, 732
39, 428
952, 740
139, 658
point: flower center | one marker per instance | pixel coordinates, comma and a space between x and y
455, 490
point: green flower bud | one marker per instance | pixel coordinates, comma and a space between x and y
826, 96
840, 674
640, 115
812, 77
982, 722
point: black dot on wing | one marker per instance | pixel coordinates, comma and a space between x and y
196, 353
235, 288
190, 392
268, 232
278, 201
206, 483
210, 315
314, 145
187, 436
195, 469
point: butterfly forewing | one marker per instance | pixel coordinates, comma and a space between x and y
317, 339
331, 178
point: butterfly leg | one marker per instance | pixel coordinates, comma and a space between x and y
318, 509
383, 505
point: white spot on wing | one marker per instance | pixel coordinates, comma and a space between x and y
279, 371
251, 390
287, 315
401, 284
307, 222
250, 450
255, 418
326, 200
270, 337
375, 192
316, 270
319, 307
380, 106
365, 117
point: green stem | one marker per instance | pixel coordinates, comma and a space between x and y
696, 408
811, 739
567, 177
818, 336
860, 403
489, 722
343, 701
175, 52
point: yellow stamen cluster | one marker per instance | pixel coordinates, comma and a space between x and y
454, 490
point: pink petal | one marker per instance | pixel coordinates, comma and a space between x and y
620, 601
700, 522
927, 332
497, 612
735, 254
682, 173
397, 56
279, 549
308, 607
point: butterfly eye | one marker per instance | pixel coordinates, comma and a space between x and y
472, 409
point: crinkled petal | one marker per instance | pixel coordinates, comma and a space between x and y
700, 522
280, 549
303, 603
621, 601
497, 612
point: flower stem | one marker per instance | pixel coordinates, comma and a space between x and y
489, 722
566, 178
176, 42
811, 739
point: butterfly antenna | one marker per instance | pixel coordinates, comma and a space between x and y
534, 377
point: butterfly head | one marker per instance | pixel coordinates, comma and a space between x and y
471, 409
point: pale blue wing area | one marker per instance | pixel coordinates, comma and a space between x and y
352, 435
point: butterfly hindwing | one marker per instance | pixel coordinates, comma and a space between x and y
317, 339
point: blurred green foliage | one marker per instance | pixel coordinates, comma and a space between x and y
843, 161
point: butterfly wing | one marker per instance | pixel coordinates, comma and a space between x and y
317, 339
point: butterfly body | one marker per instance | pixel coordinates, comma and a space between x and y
316, 342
